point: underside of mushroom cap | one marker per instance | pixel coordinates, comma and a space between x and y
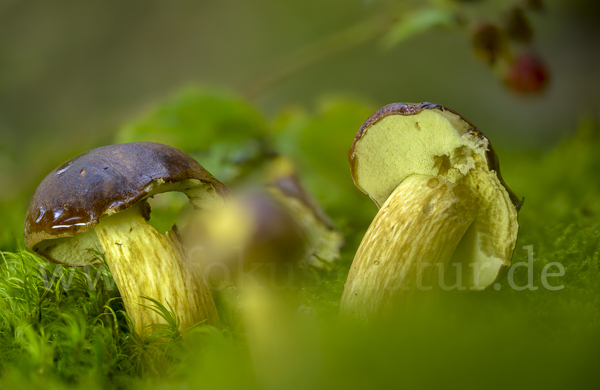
406, 139
402, 140
72, 199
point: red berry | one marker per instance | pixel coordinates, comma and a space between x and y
528, 74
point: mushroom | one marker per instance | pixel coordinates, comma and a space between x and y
252, 241
323, 239
445, 212
97, 201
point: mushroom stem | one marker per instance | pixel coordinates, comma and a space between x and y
144, 262
409, 243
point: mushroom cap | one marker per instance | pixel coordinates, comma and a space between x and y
72, 198
407, 140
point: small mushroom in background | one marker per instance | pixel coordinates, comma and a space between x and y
97, 201
323, 239
445, 211
255, 253
252, 240
279, 223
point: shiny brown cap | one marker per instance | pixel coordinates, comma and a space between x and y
72, 198
460, 123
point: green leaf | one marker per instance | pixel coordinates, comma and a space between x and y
416, 23
196, 119
320, 144
222, 131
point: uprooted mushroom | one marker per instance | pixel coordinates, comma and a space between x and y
445, 211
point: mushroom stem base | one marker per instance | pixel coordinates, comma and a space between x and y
144, 262
408, 245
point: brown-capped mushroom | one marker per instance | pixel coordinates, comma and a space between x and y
444, 209
97, 201
323, 239
252, 240
284, 208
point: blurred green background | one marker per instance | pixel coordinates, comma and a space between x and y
230, 81
71, 73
